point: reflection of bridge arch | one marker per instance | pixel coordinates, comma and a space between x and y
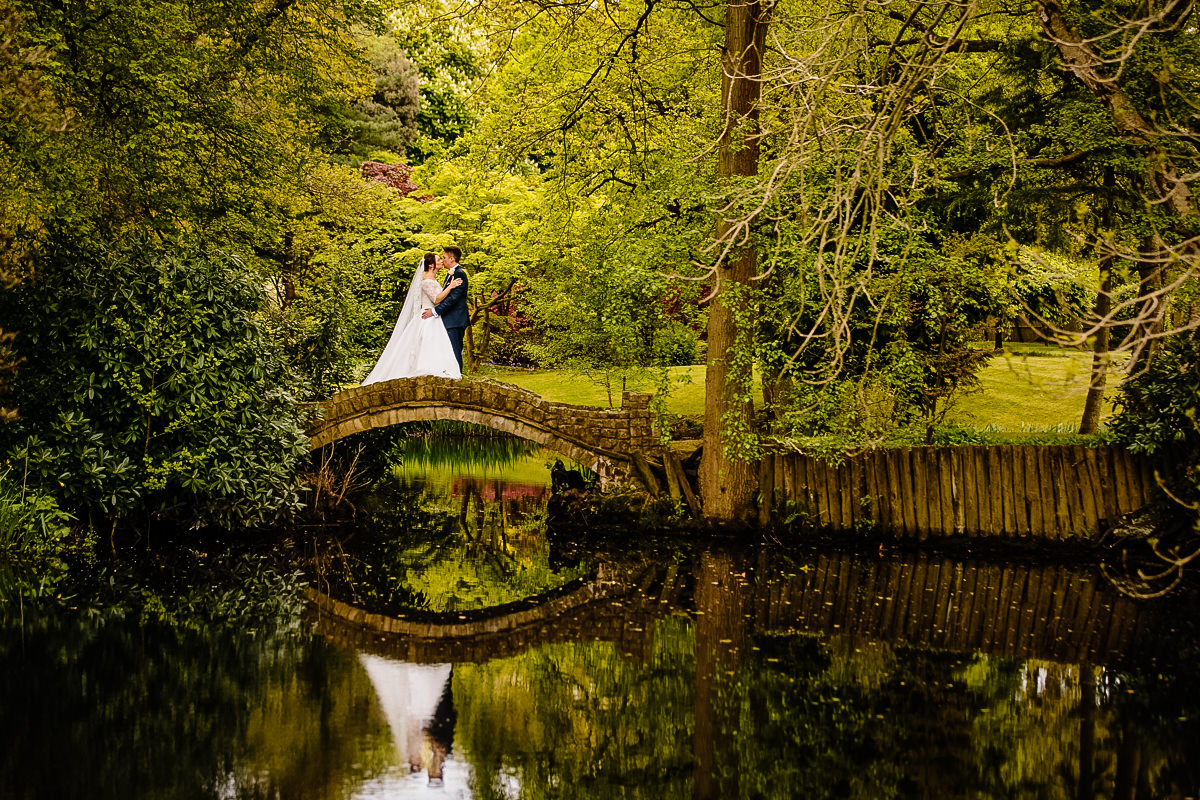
1047, 612
605, 440
606, 607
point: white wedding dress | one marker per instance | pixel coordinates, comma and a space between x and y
418, 346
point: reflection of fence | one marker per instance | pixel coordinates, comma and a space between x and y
1004, 490
1047, 611
1016, 610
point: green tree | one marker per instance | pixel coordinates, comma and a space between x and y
449, 53
28, 115
383, 125
156, 391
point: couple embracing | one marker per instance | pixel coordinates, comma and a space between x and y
428, 336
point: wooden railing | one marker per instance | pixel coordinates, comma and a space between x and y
1048, 491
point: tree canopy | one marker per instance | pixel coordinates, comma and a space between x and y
839, 197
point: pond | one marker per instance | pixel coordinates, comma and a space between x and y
457, 643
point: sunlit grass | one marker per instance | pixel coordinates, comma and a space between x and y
532, 469
686, 397
1032, 389
1027, 389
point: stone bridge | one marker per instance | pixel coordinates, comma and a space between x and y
604, 440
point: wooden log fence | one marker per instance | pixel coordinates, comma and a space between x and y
1013, 491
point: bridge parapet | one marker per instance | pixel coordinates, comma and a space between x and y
605, 439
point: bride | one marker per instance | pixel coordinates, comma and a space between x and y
419, 346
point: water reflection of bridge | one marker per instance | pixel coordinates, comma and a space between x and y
1051, 612
619, 607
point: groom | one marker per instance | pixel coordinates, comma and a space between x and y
453, 310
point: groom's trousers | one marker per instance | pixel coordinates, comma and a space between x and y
456, 341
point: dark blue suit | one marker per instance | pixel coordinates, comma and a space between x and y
453, 311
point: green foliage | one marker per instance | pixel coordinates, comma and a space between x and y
449, 53
1157, 415
384, 124
156, 391
676, 345
34, 537
151, 388
326, 330
186, 113
576, 188
890, 344
610, 321
338, 276
29, 521
1157, 409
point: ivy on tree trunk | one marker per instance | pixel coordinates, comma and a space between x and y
726, 477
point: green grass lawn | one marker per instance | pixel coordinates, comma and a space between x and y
1034, 389
687, 393
1031, 389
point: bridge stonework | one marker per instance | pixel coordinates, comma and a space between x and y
603, 439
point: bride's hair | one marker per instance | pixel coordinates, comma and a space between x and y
430, 261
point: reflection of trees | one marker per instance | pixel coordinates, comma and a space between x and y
840, 718
1027, 735
818, 715
423, 550
582, 720
114, 708
1157, 712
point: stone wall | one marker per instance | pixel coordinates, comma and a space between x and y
602, 438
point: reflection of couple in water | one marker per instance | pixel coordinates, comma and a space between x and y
418, 704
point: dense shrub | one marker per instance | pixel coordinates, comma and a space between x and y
895, 348
676, 345
1157, 414
28, 521
149, 387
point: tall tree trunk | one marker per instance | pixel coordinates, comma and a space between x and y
1151, 309
727, 482
1095, 396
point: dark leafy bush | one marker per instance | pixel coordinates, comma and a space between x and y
1157, 414
149, 388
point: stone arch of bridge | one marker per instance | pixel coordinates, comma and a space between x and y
606, 465
605, 440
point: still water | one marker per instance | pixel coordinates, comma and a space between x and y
454, 643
